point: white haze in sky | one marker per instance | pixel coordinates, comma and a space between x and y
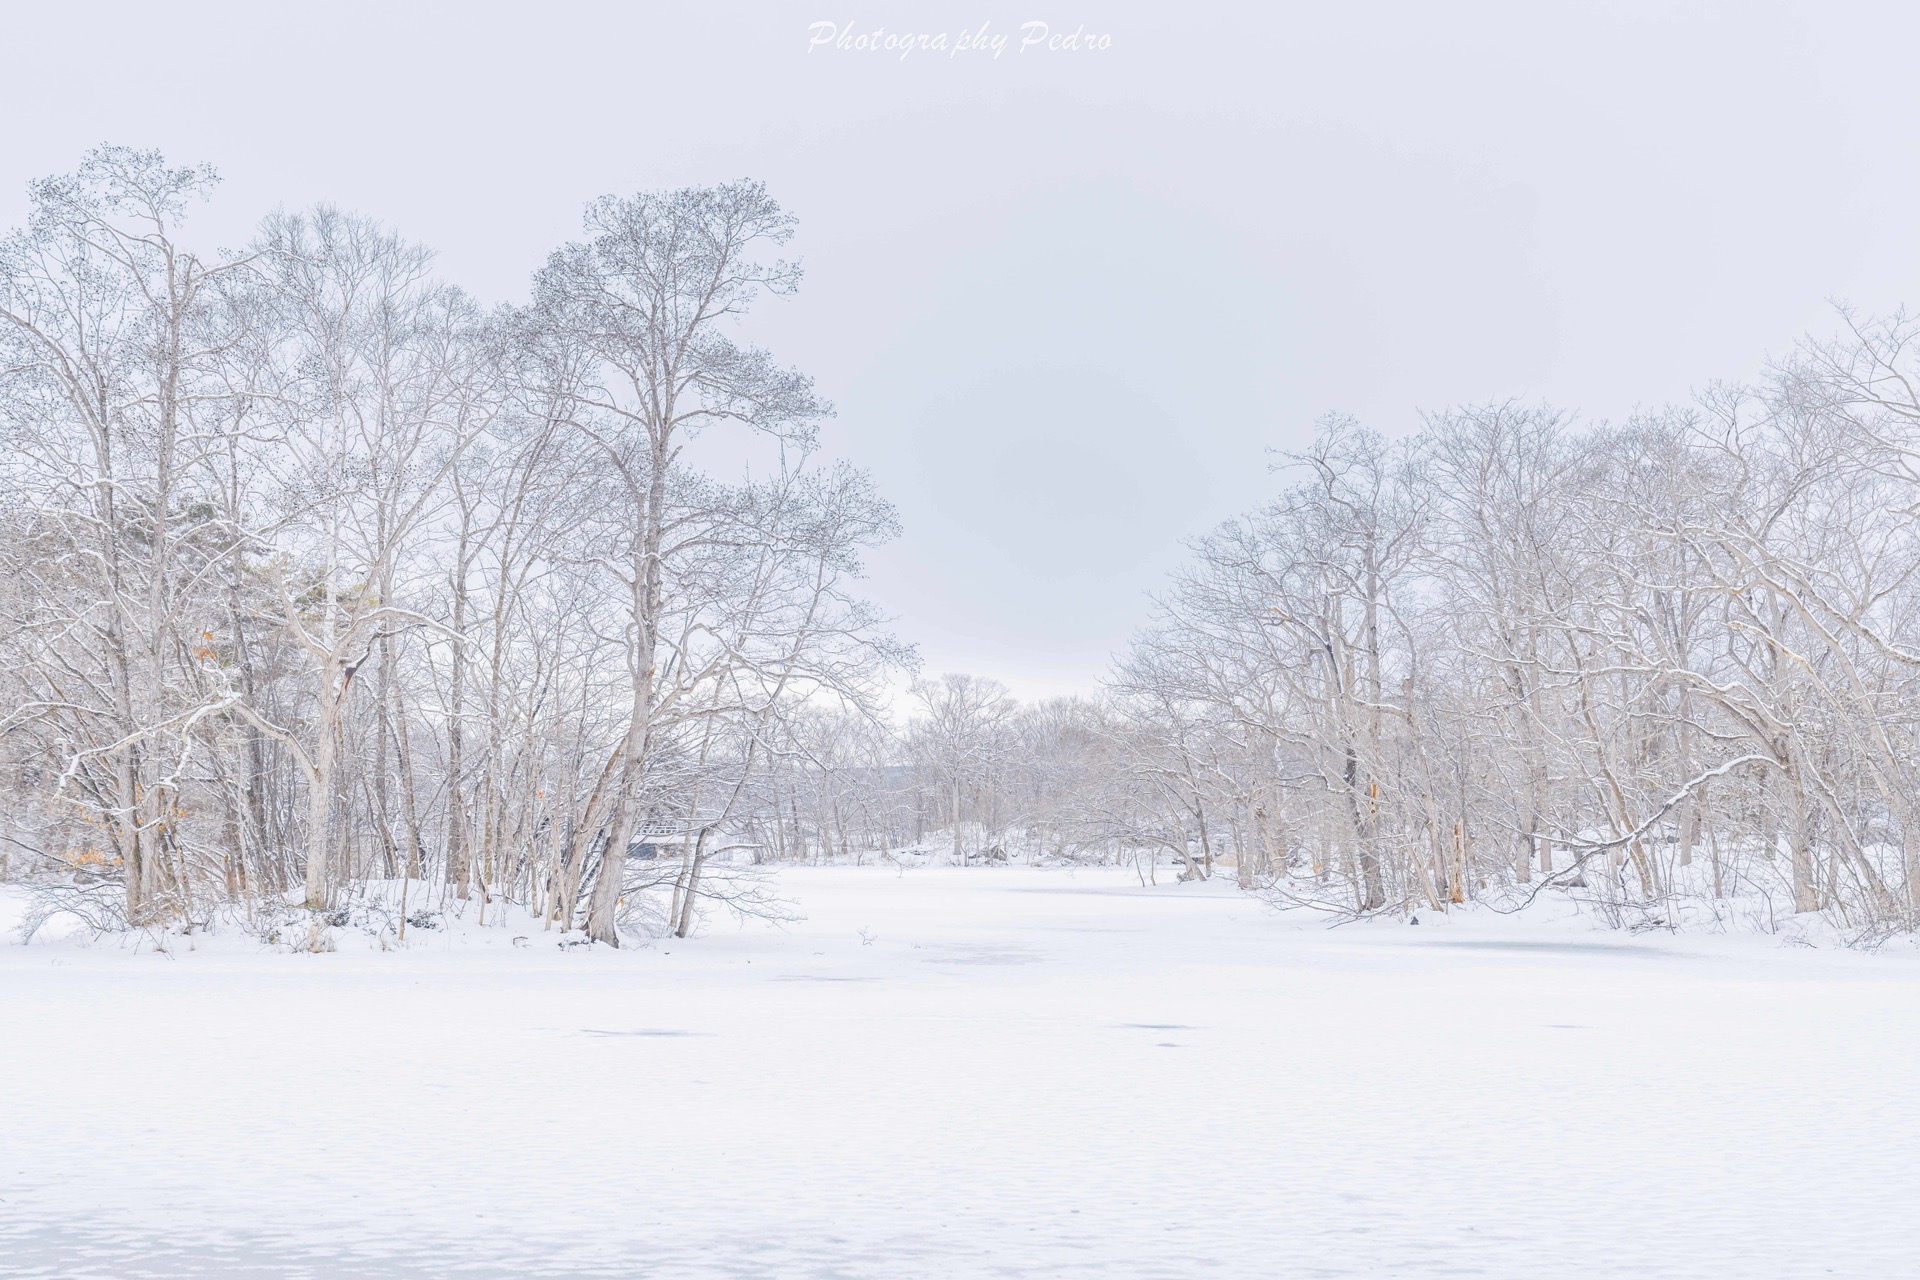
1067, 302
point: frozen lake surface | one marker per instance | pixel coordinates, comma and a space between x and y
966, 1073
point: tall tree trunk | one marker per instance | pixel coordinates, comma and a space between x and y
459, 846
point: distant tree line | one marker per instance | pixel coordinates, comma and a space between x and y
316, 573
1670, 667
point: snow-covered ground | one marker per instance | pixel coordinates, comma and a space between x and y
966, 1073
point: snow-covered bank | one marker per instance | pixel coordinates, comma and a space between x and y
980, 1072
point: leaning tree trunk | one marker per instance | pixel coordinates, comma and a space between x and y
603, 910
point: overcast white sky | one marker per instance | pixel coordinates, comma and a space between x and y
1066, 302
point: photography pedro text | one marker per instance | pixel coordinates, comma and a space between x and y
1036, 37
